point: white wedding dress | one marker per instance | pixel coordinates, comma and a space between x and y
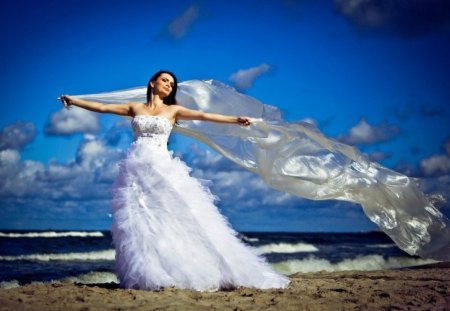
296, 158
166, 229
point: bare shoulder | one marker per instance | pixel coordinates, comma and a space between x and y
135, 104
177, 108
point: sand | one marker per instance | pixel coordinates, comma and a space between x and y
420, 288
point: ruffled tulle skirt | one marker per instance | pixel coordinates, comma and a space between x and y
167, 230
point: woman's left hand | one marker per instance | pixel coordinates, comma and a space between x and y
244, 121
65, 101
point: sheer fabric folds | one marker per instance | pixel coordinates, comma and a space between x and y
295, 157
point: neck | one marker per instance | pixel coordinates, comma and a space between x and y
155, 101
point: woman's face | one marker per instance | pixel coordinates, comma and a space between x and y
163, 85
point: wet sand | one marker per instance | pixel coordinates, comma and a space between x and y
419, 288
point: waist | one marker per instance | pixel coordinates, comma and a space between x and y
145, 134
152, 138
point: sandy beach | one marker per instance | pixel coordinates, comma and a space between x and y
419, 288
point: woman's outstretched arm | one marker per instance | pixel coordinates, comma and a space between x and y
120, 109
188, 114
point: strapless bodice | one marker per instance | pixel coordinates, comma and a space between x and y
157, 128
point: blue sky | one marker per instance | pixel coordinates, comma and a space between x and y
374, 74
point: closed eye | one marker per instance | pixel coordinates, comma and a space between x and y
165, 80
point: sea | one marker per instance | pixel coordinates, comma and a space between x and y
87, 257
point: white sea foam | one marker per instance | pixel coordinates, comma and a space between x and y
382, 245
248, 239
92, 278
97, 255
9, 284
52, 234
286, 248
88, 278
370, 262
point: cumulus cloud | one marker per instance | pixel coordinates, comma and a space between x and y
9, 157
18, 178
77, 120
364, 133
178, 27
243, 79
234, 184
89, 176
404, 17
73, 194
77, 187
17, 135
435, 165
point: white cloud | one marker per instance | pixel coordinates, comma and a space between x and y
35, 194
91, 153
235, 185
18, 178
435, 165
61, 172
181, 24
364, 133
75, 120
80, 189
17, 135
9, 157
89, 177
243, 79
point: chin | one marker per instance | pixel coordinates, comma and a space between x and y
164, 94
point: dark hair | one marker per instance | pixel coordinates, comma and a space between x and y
170, 99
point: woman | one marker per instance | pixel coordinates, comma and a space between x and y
166, 229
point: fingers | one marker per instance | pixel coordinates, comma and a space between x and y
65, 101
244, 121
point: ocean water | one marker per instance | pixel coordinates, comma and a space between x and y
88, 257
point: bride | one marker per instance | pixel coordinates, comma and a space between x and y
166, 229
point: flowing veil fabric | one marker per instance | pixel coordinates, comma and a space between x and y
295, 157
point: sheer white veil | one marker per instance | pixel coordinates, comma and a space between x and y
295, 157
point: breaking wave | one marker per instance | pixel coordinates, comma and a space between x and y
367, 263
286, 248
52, 234
85, 256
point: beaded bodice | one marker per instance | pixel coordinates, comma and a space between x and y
156, 128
